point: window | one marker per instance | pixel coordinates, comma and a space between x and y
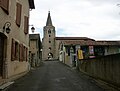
18, 14
49, 48
21, 52
49, 36
25, 53
13, 50
26, 21
4, 4
49, 31
16, 50
49, 41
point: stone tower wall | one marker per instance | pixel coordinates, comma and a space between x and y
48, 41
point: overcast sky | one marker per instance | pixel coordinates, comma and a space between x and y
97, 19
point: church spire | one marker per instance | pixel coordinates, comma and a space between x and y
49, 21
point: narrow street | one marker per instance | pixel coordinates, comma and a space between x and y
54, 76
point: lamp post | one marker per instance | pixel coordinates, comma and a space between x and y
32, 28
6, 27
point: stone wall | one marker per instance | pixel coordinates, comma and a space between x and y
106, 68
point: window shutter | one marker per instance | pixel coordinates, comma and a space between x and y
16, 50
18, 14
26, 22
5, 5
0, 3
26, 54
13, 50
21, 52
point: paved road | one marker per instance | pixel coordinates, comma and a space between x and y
54, 76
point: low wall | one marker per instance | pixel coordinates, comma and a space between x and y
106, 68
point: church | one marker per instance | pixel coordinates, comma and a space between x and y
54, 47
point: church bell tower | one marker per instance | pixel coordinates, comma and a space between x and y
48, 42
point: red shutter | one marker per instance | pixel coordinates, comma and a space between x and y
21, 52
5, 5
13, 50
0, 3
26, 54
18, 14
16, 50
26, 22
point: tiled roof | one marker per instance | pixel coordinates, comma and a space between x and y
73, 38
108, 42
102, 43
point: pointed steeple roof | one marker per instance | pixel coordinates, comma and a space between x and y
49, 21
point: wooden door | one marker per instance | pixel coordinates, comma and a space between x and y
1, 54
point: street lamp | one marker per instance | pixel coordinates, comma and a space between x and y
6, 27
32, 28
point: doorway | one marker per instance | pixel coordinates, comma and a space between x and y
1, 54
50, 55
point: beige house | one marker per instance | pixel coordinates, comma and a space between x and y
35, 51
64, 48
14, 38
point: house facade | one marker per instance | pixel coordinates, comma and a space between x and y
69, 50
14, 38
65, 48
35, 51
